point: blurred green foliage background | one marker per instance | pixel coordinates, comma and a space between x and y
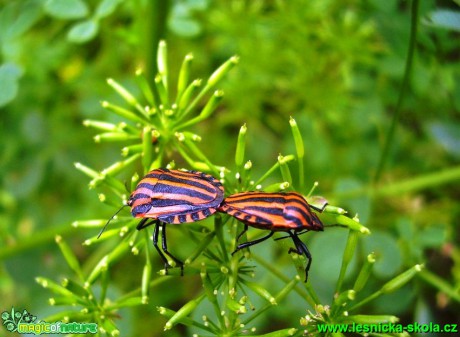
335, 66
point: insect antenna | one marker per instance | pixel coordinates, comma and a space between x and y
113, 216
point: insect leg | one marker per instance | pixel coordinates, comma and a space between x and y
156, 231
290, 236
145, 223
318, 209
165, 248
242, 233
251, 243
302, 232
283, 237
301, 249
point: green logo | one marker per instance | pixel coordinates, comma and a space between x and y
12, 319
24, 323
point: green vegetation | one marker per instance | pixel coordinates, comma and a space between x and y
355, 102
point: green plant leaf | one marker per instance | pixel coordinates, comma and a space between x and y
447, 135
17, 18
83, 31
433, 236
388, 255
198, 4
185, 26
9, 76
105, 8
68, 9
444, 19
182, 21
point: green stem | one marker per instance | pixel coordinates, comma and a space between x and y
312, 298
38, 239
346, 258
410, 185
301, 175
138, 291
440, 284
402, 92
272, 169
154, 24
284, 278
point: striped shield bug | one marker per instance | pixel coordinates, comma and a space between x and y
278, 212
173, 197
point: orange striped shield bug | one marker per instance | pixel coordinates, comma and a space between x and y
277, 212
173, 197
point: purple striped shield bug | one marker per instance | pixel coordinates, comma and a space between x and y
277, 212
173, 197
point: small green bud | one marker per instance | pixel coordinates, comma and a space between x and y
145, 88
183, 312
212, 104
334, 209
277, 187
345, 221
372, 319
100, 267
127, 302
189, 92
222, 71
235, 306
365, 272
345, 297
162, 61
86, 170
117, 167
160, 84
56, 288
125, 94
125, 113
261, 291
62, 301
114, 137
248, 166
240, 147
146, 276
89, 223
109, 327
69, 256
131, 149
401, 279
104, 126
297, 138
184, 75
191, 136
74, 287
109, 181
180, 136
207, 110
